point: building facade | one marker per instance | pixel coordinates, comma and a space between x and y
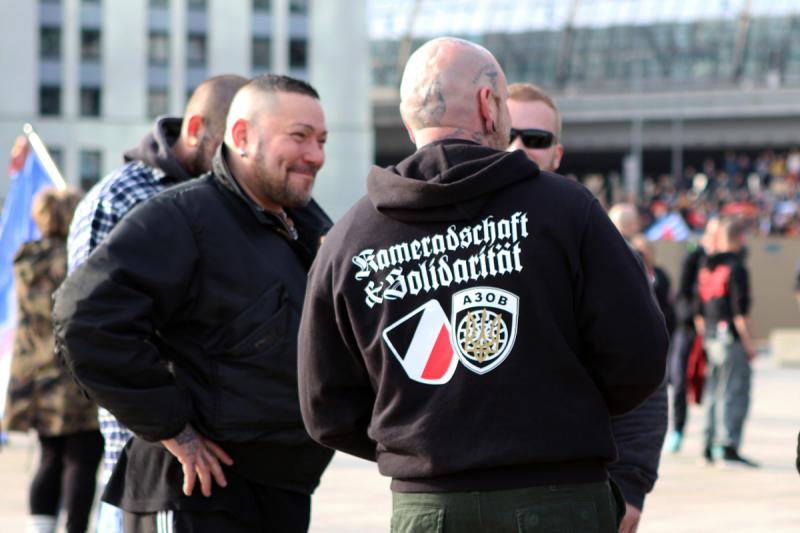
667, 81
91, 75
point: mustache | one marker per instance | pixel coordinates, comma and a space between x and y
305, 169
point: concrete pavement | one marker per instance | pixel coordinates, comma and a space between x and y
353, 498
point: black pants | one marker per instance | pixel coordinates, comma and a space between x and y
679, 350
281, 512
67, 471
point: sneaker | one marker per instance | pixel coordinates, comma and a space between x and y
731, 459
707, 459
674, 442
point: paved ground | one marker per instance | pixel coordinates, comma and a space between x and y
353, 498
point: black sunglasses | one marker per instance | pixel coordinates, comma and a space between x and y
533, 138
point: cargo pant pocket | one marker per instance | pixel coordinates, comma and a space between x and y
417, 519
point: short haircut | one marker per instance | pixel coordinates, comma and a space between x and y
732, 228
528, 92
278, 83
53, 209
211, 100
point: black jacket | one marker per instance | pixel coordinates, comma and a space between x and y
472, 323
188, 312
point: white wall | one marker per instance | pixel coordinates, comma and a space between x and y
339, 70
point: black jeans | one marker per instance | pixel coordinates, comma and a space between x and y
281, 512
679, 350
67, 471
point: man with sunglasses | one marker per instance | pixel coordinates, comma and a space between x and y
535, 125
639, 434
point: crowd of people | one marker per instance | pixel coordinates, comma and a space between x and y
761, 191
477, 325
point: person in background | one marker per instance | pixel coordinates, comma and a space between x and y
42, 395
177, 149
683, 339
723, 307
536, 130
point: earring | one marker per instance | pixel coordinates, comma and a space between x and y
494, 127
242, 153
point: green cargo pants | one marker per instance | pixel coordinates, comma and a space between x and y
579, 508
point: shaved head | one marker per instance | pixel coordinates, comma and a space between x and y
211, 100
626, 218
203, 123
456, 89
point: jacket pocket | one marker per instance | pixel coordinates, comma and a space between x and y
261, 325
256, 370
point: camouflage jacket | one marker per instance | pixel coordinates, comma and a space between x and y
42, 395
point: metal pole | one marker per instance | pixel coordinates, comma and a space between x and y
44, 156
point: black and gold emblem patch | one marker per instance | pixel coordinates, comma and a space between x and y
484, 326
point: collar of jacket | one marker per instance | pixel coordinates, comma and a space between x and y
223, 174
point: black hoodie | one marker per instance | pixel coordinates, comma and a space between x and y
155, 149
472, 323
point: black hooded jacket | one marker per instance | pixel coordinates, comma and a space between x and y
472, 323
155, 149
203, 279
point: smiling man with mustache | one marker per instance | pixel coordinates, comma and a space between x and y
209, 277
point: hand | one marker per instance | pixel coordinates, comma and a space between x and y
750, 352
200, 458
630, 523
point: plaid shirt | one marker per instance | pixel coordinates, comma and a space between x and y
95, 217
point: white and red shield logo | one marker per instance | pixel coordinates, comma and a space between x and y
421, 343
484, 324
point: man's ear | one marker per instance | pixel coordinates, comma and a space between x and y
485, 99
239, 135
194, 130
410, 132
559, 154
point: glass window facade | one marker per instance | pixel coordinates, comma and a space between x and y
262, 5
158, 48
604, 44
90, 101
298, 7
50, 43
157, 102
90, 45
298, 49
196, 50
262, 52
49, 100
91, 165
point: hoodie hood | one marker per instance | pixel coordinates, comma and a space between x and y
445, 181
155, 149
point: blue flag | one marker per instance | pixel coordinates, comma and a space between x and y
16, 223
27, 176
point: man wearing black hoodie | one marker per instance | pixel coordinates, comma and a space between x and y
176, 150
473, 322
